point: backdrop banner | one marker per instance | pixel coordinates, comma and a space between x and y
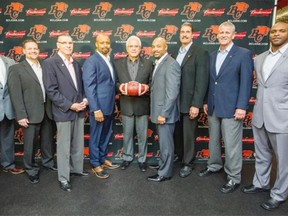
44, 20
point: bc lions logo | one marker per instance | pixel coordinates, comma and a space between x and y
168, 31
1, 30
81, 31
37, 32
146, 52
203, 119
259, 33
102, 9
237, 10
19, 135
248, 119
14, 9
15, 53
146, 9
191, 9
58, 9
211, 33
124, 31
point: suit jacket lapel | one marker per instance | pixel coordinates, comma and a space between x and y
261, 60
30, 71
188, 55
140, 69
102, 61
213, 64
227, 59
158, 68
279, 62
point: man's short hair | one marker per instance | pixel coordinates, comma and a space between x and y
133, 37
186, 24
229, 24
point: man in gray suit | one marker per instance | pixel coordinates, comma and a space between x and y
134, 109
165, 107
33, 109
270, 118
6, 120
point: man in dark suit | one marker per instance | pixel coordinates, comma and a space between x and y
62, 78
99, 84
231, 70
194, 82
134, 109
7, 116
165, 109
33, 109
270, 118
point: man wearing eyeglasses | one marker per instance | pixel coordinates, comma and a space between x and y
62, 78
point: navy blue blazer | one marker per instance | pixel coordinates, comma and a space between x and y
60, 88
99, 85
231, 88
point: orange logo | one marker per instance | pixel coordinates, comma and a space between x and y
237, 10
58, 9
1, 29
81, 31
259, 33
248, 119
15, 53
146, 9
124, 31
211, 33
37, 32
146, 52
102, 9
14, 9
168, 31
191, 9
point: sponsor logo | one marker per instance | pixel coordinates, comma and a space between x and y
15, 53
240, 35
254, 83
146, 9
19, 135
2, 53
248, 154
80, 12
58, 9
1, 29
202, 139
118, 136
146, 52
191, 9
252, 100
43, 55
14, 9
248, 140
211, 33
81, 31
15, 34
259, 33
203, 154
97, 32
168, 31
37, 31
120, 55
124, 31
261, 12
123, 12
203, 119
168, 12
196, 34
119, 153
82, 55
102, 9
214, 12
147, 34
56, 33
117, 112
35, 12
248, 119
237, 10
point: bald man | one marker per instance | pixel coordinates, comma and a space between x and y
99, 85
165, 106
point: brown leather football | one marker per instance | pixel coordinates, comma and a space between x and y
133, 88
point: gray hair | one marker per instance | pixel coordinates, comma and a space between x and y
228, 24
133, 37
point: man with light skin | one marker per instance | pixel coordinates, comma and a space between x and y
270, 119
165, 108
231, 74
99, 85
33, 110
62, 78
134, 109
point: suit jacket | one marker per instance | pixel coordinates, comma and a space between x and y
26, 94
99, 85
271, 107
6, 108
194, 78
60, 88
165, 88
134, 105
231, 88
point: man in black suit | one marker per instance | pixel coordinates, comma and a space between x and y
194, 62
33, 109
134, 110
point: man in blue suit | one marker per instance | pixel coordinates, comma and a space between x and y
231, 70
99, 85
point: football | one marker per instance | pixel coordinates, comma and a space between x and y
133, 88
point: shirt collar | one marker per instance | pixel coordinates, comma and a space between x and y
32, 64
186, 48
281, 50
161, 59
65, 59
227, 49
103, 56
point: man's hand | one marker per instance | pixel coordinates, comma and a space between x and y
77, 107
24, 122
122, 91
98, 115
239, 114
161, 120
193, 112
146, 89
